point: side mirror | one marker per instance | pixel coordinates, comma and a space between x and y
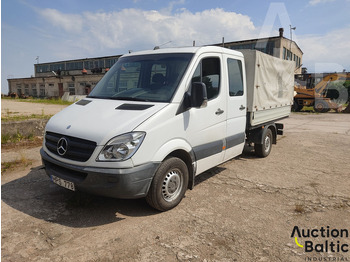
198, 97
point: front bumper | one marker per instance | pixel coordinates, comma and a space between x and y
111, 182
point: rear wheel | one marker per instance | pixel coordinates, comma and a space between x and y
168, 185
264, 149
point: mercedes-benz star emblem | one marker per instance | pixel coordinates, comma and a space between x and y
62, 146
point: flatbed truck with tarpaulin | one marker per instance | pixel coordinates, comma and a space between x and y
159, 118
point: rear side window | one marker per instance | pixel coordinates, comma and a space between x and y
208, 72
235, 77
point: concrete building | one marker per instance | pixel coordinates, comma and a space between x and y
79, 77
277, 46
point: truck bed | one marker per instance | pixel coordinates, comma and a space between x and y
270, 87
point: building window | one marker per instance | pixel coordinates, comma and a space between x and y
19, 89
56, 67
74, 66
34, 91
123, 83
110, 62
71, 88
42, 90
42, 68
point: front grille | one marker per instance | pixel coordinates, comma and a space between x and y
77, 149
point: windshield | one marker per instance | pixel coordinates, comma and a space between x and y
151, 78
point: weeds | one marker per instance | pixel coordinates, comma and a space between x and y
41, 101
15, 138
300, 208
23, 117
22, 162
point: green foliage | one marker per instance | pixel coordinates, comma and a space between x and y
41, 101
23, 117
15, 138
6, 166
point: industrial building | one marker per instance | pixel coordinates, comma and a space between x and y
79, 77
277, 46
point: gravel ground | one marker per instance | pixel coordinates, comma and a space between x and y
242, 210
27, 108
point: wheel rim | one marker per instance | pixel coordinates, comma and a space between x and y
267, 143
319, 107
172, 185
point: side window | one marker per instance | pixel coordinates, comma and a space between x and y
208, 72
235, 77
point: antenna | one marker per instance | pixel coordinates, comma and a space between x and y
158, 46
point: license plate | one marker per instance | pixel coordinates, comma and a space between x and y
63, 183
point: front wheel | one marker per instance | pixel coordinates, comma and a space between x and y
296, 107
169, 184
264, 149
321, 106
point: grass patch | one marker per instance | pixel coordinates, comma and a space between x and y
41, 101
308, 109
10, 117
25, 142
15, 138
22, 162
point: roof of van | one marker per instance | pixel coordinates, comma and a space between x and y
195, 49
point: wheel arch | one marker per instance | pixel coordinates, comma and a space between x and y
257, 135
181, 149
274, 133
189, 160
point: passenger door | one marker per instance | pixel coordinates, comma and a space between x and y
236, 107
206, 127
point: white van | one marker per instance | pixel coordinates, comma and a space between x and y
159, 118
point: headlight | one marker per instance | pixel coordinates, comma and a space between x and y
121, 147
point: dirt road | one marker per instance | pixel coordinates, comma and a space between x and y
26, 108
242, 210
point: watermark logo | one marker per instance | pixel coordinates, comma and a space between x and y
331, 241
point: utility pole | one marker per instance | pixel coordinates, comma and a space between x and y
291, 40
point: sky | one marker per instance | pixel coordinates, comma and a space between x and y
49, 31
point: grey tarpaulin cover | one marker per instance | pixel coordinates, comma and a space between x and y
270, 81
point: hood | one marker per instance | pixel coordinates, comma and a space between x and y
99, 120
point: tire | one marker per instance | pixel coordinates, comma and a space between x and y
296, 107
321, 106
264, 149
169, 184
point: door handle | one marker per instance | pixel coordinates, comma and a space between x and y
242, 107
219, 111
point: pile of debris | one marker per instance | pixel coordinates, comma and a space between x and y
347, 109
